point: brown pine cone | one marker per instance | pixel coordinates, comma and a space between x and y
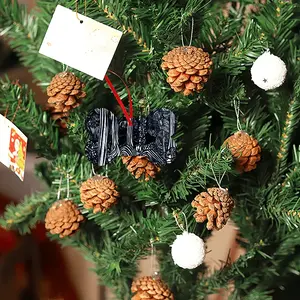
140, 165
99, 193
63, 218
245, 150
215, 206
151, 289
188, 69
65, 93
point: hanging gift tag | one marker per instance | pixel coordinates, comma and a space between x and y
13, 147
80, 42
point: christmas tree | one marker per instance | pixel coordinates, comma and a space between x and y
219, 66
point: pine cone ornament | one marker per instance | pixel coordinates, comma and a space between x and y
245, 150
140, 165
151, 289
63, 218
215, 206
188, 69
65, 92
99, 193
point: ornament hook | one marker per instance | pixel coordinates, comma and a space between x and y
154, 267
68, 186
236, 104
85, 5
218, 182
181, 224
59, 188
192, 32
93, 170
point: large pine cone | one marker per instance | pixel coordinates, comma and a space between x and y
63, 218
151, 289
140, 165
65, 93
215, 206
99, 193
245, 150
188, 69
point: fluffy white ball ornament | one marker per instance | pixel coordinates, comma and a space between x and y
268, 71
188, 250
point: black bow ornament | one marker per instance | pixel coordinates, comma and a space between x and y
110, 137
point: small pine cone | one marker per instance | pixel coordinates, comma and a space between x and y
188, 69
215, 206
150, 288
63, 218
140, 165
245, 150
65, 93
99, 193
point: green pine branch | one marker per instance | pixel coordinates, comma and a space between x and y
22, 110
243, 52
283, 203
277, 260
122, 241
277, 21
24, 33
206, 165
221, 278
24, 215
291, 122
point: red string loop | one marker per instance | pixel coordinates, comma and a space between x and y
127, 115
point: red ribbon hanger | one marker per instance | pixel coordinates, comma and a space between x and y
127, 115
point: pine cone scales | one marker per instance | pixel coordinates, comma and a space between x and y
65, 93
140, 165
63, 218
188, 69
245, 150
215, 206
99, 193
151, 289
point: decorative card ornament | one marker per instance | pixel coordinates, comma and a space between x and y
111, 137
95, 49
12, 147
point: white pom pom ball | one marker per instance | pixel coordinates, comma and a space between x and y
188, 250
268, 71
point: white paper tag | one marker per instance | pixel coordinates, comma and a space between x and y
88, 46
13, 147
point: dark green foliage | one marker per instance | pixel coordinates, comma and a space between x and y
267, 200
25, 215
19, 103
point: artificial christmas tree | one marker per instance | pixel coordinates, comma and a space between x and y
266, 200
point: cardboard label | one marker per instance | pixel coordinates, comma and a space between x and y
87, 46
13, 147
